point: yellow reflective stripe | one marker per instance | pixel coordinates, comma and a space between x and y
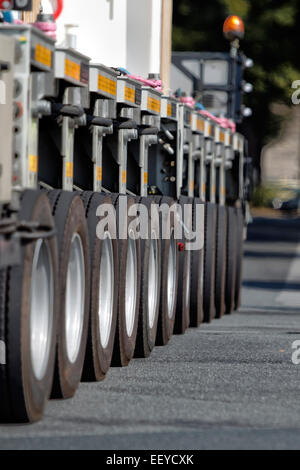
200, 125
107, 85
43, 55
33, 163
153, 104
69, 170
129, 94
99, 173
72, 69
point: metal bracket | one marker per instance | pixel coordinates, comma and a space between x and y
125, 135
146, 140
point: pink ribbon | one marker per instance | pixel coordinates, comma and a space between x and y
224, 122
48, 28
157, 84
188, 100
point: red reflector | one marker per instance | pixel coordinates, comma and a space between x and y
181, 246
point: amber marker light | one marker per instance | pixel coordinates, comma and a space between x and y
233, 28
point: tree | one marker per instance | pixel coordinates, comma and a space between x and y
271, 40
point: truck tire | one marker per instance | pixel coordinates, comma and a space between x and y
182, 319
28, 318
239, 257
150, 282
221, 235
74, 286
169, 273
230, 260
209, 263
129, 283
196, 300
103, 287
4, 392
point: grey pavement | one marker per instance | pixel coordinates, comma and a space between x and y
228, 385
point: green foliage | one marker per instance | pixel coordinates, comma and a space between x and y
272, 40
237, 7
264, 195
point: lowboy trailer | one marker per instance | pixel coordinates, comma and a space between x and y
84, 150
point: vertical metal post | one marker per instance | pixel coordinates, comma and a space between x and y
68, 134
222, 178
179, 159
144, 151
202, 169
97, 158
7, 54
212, 178
122, 159
241, 168
166, 44
234, 49
30, 16
191, 169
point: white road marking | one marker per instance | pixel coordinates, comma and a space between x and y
291, 298
2, 353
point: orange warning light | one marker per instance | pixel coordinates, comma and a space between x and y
234, 28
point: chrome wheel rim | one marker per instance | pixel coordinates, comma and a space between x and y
130, 284
106, 290
75, 298
171, 277
41, 308
152, 281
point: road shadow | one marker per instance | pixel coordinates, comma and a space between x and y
273, 285
268, 230
270, 254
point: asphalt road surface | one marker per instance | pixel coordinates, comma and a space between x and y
228, 385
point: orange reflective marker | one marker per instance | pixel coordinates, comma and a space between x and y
234, 28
